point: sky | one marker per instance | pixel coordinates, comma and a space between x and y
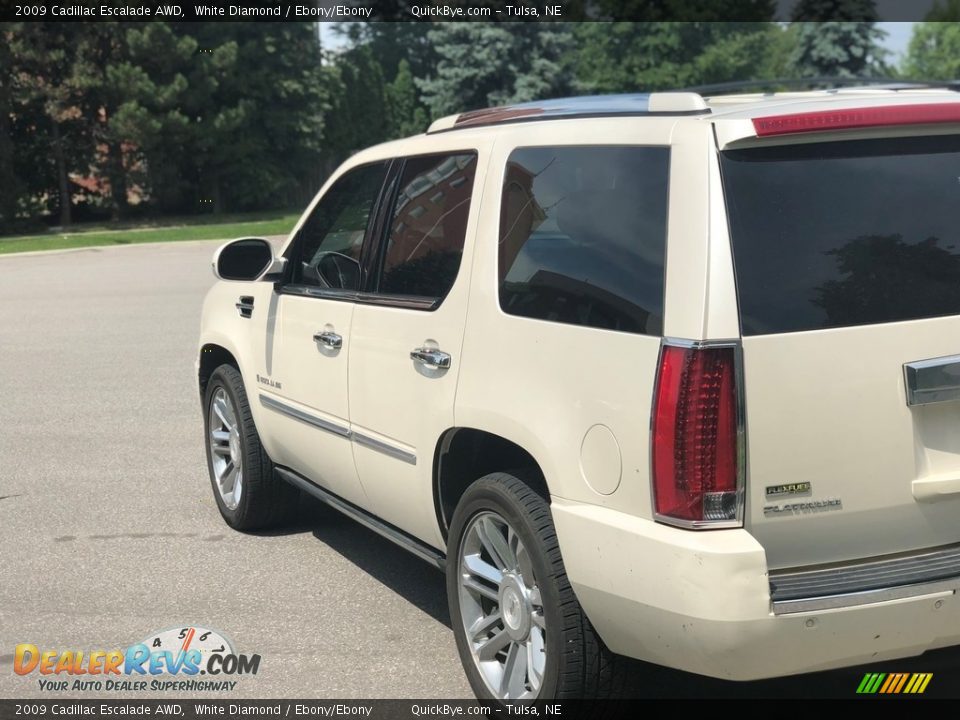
898, 36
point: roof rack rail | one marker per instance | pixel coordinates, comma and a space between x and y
637, 104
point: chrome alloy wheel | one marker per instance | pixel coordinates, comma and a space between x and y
226, 451
501, 608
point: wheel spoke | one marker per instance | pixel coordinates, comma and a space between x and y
220, 408
537, 617
228, 478
525, 565
488, 649
228, 411
223, 450
513, 684
483, 570
536, 659
496, 545
479, 588
482, 627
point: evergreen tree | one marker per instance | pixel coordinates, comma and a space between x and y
837, 38
360, 113
483, 64
407, 116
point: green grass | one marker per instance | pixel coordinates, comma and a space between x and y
205, 227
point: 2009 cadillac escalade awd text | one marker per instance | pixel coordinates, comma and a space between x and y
648, 375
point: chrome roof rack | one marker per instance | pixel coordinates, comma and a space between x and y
638, 104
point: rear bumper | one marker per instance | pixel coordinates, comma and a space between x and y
700, 602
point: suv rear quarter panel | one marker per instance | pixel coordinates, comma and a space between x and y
544, 385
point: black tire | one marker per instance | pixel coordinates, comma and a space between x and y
266, 501
578, 665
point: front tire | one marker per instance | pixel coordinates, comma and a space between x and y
520, 631
248, 493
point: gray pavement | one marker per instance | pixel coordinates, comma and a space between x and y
108, 528
109, 531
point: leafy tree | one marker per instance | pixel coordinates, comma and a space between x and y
633, 57
483, 64
360, 113
838, 38
407, 115
934, 52
944, 11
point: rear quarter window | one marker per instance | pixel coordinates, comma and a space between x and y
844, 233
583, 235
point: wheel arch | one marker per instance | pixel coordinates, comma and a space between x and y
212, 356
463, 455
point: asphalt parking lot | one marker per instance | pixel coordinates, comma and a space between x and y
109, 531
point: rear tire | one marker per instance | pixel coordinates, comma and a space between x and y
248, 493
503, 561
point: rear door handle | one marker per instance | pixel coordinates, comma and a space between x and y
431, 358
329, 339
932, 381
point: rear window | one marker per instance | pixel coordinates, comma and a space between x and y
845, 233
582, 236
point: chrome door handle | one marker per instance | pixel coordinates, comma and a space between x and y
932, 381
329, 339
431, 358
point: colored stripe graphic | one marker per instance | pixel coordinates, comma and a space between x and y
894, 683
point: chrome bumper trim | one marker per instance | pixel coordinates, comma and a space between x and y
890, 578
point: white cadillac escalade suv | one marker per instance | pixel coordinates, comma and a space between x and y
649, 375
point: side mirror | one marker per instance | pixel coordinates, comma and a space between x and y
246, 259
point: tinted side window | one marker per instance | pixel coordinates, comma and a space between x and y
844, 233
331, 239
583, 236
427, 225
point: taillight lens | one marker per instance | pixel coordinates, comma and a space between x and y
695, 420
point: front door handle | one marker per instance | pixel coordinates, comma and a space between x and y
431, 358
329, 339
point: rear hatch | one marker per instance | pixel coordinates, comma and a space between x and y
847, 261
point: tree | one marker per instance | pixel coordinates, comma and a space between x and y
944, 11
407, 115
483, 64
44, 95
635, 57
12, 188
360, 114
838, 38
934, 51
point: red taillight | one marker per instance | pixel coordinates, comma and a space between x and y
826, 120
695, 418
